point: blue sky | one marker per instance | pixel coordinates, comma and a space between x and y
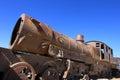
95, 19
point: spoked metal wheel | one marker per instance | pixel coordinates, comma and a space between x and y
20, 71
50, 74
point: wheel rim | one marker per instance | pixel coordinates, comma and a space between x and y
20, 70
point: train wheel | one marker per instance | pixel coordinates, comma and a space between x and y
20, 71
50, 74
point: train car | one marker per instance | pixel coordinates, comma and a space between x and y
40, 53
116, 69
104, 58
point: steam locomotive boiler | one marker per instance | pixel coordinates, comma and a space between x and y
41, 53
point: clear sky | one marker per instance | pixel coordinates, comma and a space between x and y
95, 19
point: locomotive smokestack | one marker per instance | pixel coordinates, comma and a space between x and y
80, 38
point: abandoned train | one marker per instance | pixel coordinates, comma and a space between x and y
37, 52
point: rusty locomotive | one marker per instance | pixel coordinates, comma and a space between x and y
37, 52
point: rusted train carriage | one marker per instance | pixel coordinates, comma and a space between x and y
37, 52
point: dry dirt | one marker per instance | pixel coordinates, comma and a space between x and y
110, 79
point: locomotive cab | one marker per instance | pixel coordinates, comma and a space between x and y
103, 58
105, 52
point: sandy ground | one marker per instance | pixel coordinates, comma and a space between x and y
110, 79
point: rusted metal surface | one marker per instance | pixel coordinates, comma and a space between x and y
30, 35
6, 58
80, 38
37, 52
20, 71
50, 74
